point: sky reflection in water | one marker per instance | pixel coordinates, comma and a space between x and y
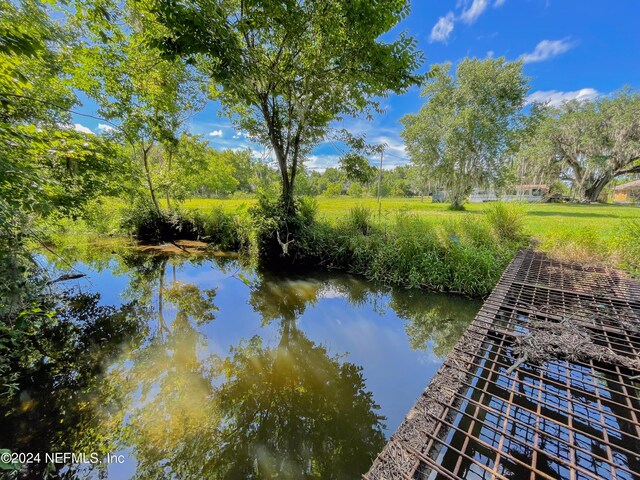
239, 374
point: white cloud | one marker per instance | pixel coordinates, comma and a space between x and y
105, 128
78, 127
470, 13
395, 146
240, 134
490, 54
547, 49
476, 9
441, 30
321, 162
555, 97
216, 133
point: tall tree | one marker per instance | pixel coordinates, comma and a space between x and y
147, 96
45, 165
357, 168
462, 133
284, 70
588, 143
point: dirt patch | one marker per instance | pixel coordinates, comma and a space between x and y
183, 247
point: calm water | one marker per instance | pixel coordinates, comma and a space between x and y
208, 369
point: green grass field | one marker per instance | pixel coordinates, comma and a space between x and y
575, 232
544, 221
595, 234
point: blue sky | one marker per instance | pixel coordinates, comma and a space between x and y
571, 49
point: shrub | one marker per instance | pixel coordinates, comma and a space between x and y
355, 190
359, 220
506, 219
145, 223
455, 256
333, 190
282, 234
103, 215
219, 228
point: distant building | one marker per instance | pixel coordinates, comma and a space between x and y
627, 192
480, 195
528, 193
522, 193
440, 196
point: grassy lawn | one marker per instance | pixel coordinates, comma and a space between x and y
545, 221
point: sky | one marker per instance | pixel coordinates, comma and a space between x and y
570, 49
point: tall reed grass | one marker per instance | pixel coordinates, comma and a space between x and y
458, 256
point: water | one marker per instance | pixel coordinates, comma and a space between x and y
213, 370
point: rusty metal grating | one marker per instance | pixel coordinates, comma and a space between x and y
501, 408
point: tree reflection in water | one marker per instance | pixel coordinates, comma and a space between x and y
61, 400
288, 411
433, 318
284, 408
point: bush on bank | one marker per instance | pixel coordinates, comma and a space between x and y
466, 255
458, 256
146, 224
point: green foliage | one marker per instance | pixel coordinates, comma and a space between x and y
284, 73
506, 219
588, 142
193, 168
280, 235
47, 169
144, 222
32, 53
103, 215
461, 136
220, 229
355, 190
465, 257
146, 96
357, 168
360, 220
45, 165
333, 189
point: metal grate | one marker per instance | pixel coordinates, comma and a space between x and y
500, 409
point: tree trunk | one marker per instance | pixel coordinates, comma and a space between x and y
457, 200
456, 204
167, 194
592, 192
287, 193
162, 325
145, 161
